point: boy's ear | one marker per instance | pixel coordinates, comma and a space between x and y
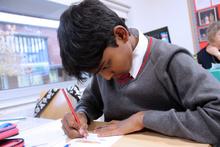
121, 33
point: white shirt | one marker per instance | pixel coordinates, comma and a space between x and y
138, 54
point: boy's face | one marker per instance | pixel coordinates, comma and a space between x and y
116, 60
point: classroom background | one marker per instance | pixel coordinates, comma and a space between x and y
30, 64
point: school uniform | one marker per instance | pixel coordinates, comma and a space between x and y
178, 97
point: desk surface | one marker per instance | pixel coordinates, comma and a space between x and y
44, 132
151, 139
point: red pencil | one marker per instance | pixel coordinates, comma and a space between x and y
71, 107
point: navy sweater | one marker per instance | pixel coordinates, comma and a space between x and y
179, 97
206, 59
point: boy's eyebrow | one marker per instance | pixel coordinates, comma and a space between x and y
100, 67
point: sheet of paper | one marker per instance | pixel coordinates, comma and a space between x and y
52, 135
215, 2
201, 4
94, 141
46, 135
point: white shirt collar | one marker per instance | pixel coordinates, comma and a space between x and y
138, 55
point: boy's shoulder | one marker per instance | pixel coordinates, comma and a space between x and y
162, 51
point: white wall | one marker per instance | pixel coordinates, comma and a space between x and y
148, 15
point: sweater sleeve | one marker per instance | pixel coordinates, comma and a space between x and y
91, 103
199, 93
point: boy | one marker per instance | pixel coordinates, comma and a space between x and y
138, 82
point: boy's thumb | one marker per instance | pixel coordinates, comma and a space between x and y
83, 130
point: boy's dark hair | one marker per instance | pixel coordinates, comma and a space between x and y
84, 32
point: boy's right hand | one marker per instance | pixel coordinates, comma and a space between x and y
71, 127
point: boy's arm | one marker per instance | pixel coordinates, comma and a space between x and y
91, 102
199, 93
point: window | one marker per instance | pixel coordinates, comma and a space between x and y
29, 54
29, 59
35, 62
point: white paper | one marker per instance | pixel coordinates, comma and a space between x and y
47, 135
201, 4
52, 135
215, 2
93, 141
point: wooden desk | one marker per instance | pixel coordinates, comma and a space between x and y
49, 133
151, 139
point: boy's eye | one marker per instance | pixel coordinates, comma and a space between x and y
106, 67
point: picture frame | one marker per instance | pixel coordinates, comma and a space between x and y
161, 33
207, 16
203, 34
